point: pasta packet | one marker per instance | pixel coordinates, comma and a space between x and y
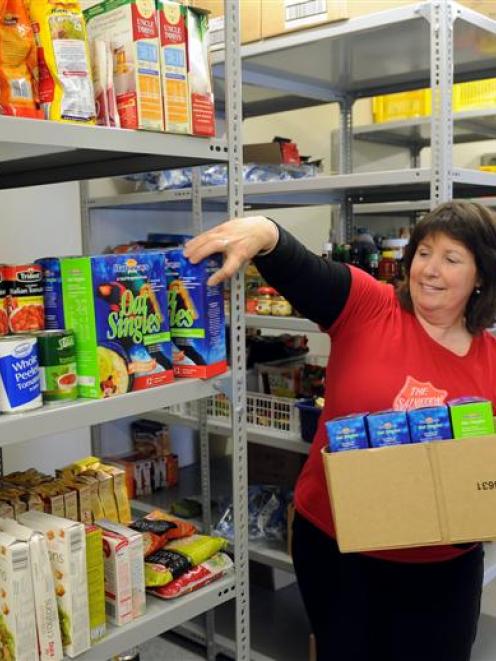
198, 548
18, 92
163, 566
196, 578
65, 81
158, 528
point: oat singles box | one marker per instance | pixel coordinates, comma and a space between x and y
174, 66
348, 432
196, 316
471, 416
418, 494
136, 555
118, 584
67, 551
431, 423
45, 603
388, 428
17, 618
117, 307
130, 28
199, 74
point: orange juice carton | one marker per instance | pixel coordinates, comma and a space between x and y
130, 29
174, 66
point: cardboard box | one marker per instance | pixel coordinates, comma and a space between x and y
67, 550
130, 28
419, 494
118, 585
250, 20
95, 574
200, 74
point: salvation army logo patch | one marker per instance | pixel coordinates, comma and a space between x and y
416, 394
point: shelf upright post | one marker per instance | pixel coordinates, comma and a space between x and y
196, 198
238, 331
84, 194
345, 229
441, 26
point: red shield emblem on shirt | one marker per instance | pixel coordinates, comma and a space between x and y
416, 394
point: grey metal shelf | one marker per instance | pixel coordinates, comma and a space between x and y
468, 126
294, 324
407, 208
317, 65
161, 616
20, 427
43, 152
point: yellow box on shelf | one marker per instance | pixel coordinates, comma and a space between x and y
401, 105
474, 95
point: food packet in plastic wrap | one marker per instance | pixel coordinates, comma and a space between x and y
159, 527
198, 548
197, 577
164, 566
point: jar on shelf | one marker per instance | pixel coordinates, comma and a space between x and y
388, 267
280, 306
264, 300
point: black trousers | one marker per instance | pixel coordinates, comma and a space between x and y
365, 609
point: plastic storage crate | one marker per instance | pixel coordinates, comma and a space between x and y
474, 95
401, 105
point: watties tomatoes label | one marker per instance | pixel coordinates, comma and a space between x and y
4, 313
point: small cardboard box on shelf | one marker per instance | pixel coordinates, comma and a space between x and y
250, 20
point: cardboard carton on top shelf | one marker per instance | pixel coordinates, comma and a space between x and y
250, 20
422, 494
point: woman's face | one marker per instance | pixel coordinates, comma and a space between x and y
443, 275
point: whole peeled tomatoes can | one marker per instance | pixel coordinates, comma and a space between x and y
25, 297
4, 311
57, 356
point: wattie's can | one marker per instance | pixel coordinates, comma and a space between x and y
19, 374
57, 356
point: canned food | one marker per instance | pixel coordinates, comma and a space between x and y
25, 298
57, 357
4, 311
52, 292
19, 374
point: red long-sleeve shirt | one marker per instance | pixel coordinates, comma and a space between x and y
381, 358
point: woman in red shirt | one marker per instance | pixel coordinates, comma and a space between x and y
421, 345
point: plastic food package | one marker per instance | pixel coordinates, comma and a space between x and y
103, 81
164, 566
197, 577
198, 548
17, 61
65, 84
159, 527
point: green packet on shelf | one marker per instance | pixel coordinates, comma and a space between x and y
198, 548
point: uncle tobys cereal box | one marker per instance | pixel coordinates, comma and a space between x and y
117, 307
196, 316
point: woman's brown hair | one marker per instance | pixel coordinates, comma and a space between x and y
473, 225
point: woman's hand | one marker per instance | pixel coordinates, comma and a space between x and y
239, 240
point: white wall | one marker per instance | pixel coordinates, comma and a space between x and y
36, 222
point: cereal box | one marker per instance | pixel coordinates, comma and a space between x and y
117, 307
174, 66
348, 432
118, 583
52, 292
199, 74
17, 614
196, 316
430, 423
130, 28
45, 603
136, 555
388, 428
95, 574
471, 416
67, 551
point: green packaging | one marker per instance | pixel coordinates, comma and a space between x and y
471, 416
96, 583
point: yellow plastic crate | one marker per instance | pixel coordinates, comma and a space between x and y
474, 95
401, 105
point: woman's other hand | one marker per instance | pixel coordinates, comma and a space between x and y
239, 240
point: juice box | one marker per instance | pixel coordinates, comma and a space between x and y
52, 292
95, 574
199, 74
174, 66
118, 585
196, 316
130, 28
117, 307
17, 614
388, 428
67, 551
136, 555
430, 423
471, 416
45, 603
348, 432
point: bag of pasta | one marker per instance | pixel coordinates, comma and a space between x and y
65, 81
17, 61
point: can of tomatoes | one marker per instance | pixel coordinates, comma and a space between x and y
57, 356
25, 297
19, 374
4, 311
